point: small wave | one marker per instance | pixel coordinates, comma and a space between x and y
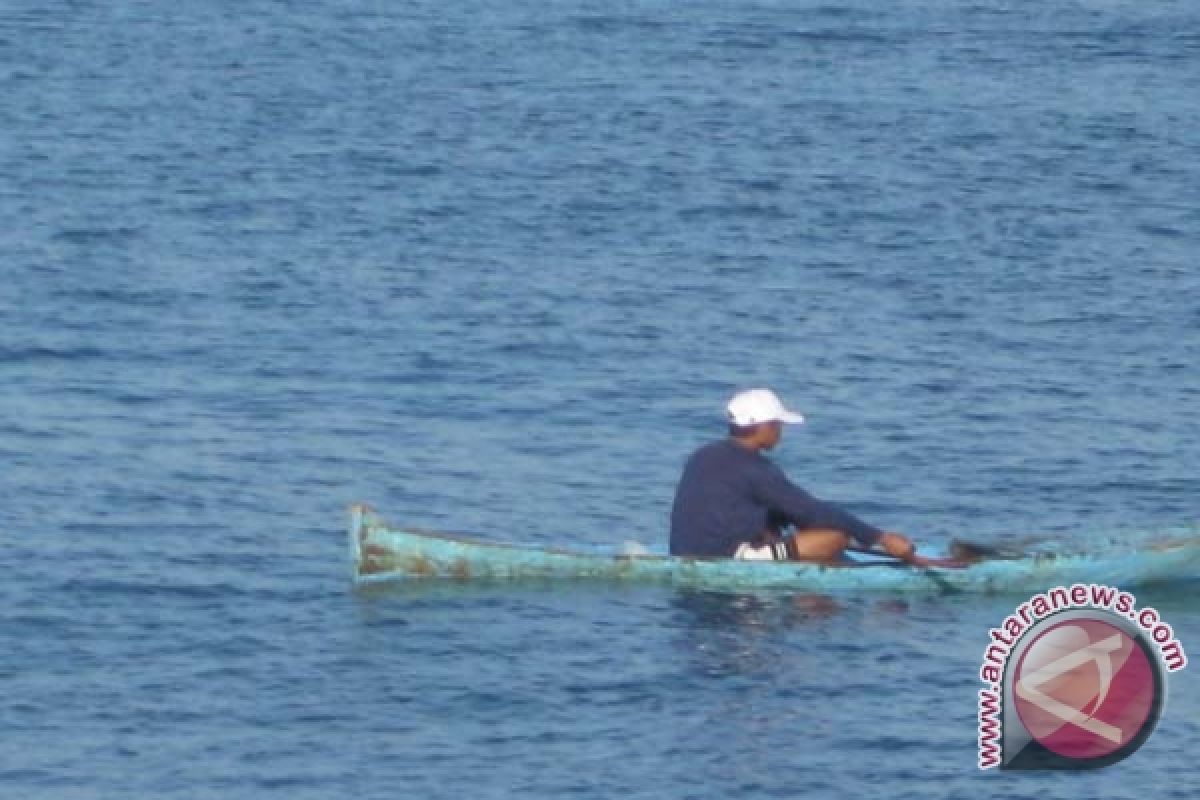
37, 354
728, 210
94, 236
608, 24
103, 586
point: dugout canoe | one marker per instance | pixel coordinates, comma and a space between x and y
380, 552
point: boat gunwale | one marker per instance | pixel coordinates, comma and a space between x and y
364, 521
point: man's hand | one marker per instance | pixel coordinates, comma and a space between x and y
897, 545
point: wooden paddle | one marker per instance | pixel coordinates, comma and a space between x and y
938, 563
974, 552
926, 566
964, 553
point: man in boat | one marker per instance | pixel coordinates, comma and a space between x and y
734, 502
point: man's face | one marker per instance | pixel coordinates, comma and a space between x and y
772, 433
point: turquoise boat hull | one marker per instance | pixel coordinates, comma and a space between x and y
382, 553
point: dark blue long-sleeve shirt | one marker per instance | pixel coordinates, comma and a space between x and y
730, 494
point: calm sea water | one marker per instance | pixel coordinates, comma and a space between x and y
496, 267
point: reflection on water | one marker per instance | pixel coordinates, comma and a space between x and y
707, 609
777, 664
753, 634
772, 610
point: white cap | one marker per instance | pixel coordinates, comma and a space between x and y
759, 405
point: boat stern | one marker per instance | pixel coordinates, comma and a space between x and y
356, 538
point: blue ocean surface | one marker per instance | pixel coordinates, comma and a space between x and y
495, 268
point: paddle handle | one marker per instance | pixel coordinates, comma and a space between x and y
916, 560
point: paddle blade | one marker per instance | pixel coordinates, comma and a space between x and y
974, 552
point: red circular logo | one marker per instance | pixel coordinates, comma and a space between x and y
1084, 688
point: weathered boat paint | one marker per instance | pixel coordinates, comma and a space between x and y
381, 553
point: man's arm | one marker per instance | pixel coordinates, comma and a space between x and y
805, 511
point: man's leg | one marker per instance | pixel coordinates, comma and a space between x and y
820, 546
